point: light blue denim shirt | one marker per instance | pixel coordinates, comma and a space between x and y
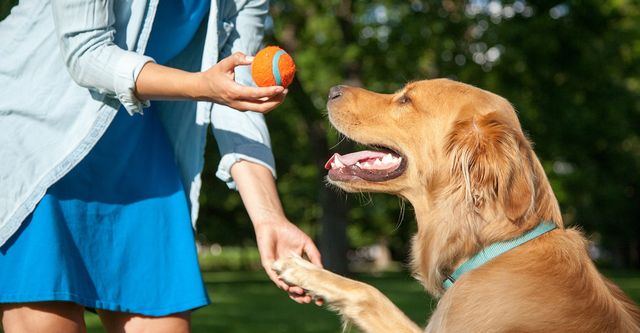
66, 67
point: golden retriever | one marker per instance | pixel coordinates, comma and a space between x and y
459, 155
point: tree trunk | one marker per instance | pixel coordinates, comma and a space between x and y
333, 238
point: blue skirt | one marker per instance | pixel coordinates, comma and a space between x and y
114, 234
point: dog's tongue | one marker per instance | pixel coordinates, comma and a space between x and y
353, 158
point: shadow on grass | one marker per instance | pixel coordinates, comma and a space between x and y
246, 302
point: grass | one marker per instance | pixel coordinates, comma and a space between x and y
249, 302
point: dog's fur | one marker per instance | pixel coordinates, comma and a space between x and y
473, 179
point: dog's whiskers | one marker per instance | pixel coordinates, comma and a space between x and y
342, 138
365, 198
403, 205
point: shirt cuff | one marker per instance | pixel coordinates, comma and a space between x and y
127, 70
255, 153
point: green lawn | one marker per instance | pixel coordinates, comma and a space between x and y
248, 302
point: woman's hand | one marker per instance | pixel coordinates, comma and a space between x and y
217, 84
275, 235
279, 238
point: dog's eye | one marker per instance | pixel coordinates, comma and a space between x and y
404, 99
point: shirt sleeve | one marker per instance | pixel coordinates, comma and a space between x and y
242, 135
86, 32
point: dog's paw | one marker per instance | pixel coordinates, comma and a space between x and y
296, 271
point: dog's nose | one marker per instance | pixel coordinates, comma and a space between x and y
335, 92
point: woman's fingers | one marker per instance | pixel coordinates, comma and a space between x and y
261, 106
312, 253
256, 93
222, 87
237, 59
302, 299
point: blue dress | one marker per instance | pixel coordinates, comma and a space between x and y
115, 232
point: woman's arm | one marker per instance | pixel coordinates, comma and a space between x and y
247, 162
216, 85
241, 135
86, 32
275, 235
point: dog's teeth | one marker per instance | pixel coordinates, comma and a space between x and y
359, 165
377, 162
366, 165
339, 163
387, 158
333, 165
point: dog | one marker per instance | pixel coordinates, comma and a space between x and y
458, 154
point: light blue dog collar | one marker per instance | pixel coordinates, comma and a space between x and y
495, 250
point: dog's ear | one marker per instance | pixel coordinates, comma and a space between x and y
491, 160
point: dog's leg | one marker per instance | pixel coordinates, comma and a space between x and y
359, 303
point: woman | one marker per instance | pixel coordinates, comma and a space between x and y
96, 199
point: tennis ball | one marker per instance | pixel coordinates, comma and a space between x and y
273, 66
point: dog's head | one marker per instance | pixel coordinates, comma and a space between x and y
434, 140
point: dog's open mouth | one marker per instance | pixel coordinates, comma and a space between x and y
370, 165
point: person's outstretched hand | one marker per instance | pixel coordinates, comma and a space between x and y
279, 239
276, 236
217, 84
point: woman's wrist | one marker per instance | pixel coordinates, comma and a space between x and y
196, 87
258, 192
268, 218
158, 82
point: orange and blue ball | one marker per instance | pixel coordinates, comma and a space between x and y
273, 66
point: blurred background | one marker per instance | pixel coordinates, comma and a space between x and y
570, 68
